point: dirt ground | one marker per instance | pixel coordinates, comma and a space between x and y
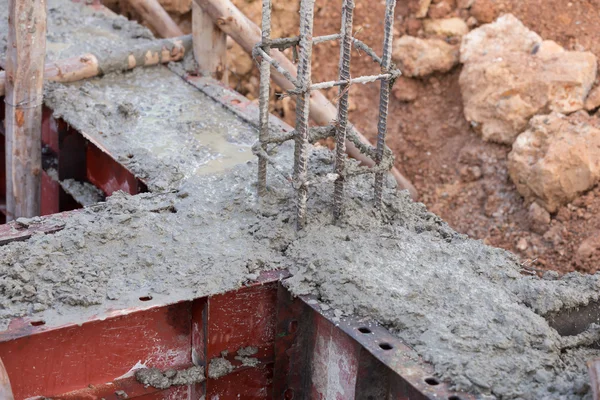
459, 176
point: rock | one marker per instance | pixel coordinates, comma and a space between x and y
522, 244
405, 89
472, 22
484, 11
539, 218
556, 159
448, 27
423, 8
506, 35
510, 75
464, 3
439, 10
470, 173
420, 57
593, 100
589, 247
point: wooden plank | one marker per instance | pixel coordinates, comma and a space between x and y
26, 55
210, 47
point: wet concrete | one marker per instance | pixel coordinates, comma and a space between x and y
161, 142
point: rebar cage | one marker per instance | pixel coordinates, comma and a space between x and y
340, 129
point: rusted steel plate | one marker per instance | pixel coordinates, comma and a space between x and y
107, 174
50, 129
50, 195
51, 362
334, 363
411, 378
241, 319
96, 359
14, 231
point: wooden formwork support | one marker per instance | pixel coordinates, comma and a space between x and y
87, 65
154, 14
25, 58
210, 45
247, 34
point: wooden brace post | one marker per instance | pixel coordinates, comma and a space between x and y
25, 59
210, 45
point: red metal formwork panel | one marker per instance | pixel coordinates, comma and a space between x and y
334, 363
237, 320
107, 174
50, 195
321, 357
50, 129
82, 359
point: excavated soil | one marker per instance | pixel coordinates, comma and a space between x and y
434, 145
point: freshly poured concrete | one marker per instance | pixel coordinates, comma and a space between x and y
154, 123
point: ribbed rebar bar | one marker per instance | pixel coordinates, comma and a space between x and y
342, 116
265, 87
307, 8
258, 51
345, 82
384, 97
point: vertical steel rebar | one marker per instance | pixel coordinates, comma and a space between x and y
342, 116
265, 77
384, 97
302, 109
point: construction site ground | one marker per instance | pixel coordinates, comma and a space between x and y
432, 140
483, 321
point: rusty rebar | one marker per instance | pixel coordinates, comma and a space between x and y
342, 117
259, 52
265, 87
345, 82
384, 97
305, 45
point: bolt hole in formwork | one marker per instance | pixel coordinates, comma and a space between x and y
385, 346
432, 381
288, 394
37, 323
146, 298
364, 330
